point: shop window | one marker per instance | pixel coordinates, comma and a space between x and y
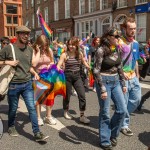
141, 27
105, 24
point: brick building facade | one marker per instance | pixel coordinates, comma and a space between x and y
11, 16
80, 17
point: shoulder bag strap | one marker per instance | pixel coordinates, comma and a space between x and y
124, 62
13, 52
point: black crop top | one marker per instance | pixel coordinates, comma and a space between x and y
107, 64
111, 61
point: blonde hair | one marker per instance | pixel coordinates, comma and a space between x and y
41, 41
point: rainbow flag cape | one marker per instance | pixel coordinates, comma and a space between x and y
51, 84
45, 28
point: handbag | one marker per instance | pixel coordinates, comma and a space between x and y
6, 74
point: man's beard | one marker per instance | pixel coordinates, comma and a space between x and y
22, 42
130, 36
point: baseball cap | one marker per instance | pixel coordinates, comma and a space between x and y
22, 29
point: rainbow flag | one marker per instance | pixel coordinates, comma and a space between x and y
51, 84
60, 51
91, 77
45, 28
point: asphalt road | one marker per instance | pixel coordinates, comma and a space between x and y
70, 134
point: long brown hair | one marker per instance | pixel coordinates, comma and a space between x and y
75, 42
41, 41
105, 41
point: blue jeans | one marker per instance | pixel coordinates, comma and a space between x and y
132, 97
110, 127
26, 91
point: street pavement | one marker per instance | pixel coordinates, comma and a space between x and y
71, 134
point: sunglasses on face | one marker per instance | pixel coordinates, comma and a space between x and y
5, 43
116, 36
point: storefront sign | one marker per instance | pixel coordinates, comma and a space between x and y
142, 8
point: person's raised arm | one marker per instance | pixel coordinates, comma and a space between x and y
61, 61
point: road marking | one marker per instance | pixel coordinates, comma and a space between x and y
22, 108
145, 86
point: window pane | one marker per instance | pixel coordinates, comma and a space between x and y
82, 6
141, 27
12, 9
15, 20
105, 27
9, 20
92, 5
95, 27
104, 4
141, 1
122, 3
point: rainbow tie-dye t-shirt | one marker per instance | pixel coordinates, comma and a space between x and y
129, 67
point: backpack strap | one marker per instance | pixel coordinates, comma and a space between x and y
131, 49
13, 52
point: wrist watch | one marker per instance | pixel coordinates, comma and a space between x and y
3, 62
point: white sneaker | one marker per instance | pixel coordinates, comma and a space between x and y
67, 115
40, 122
74, 93
50, 121
84, 120
94, 90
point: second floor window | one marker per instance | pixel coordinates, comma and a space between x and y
92, 5
67, 8
32, 3
104, 4
81, 7
27, 4
56, 11
11, 9
38, 1
140, 1
122, 3
46, 14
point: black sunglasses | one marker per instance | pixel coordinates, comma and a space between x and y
5, 43
116, 36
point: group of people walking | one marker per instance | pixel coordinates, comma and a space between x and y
114, 59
